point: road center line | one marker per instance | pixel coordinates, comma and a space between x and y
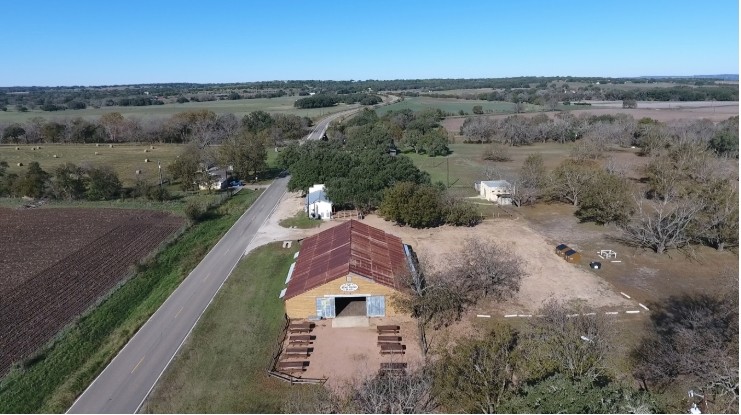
178, 313
137, 365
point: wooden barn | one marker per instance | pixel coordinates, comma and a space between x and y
572, 256
351, 269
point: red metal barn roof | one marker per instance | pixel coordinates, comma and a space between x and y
350, 247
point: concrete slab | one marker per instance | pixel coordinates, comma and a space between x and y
354, 321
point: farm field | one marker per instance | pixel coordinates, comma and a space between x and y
452, 105
56, 263
125, 159
239, 108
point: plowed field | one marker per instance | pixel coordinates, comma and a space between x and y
55, 264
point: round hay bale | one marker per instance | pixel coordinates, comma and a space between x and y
146, 151
96, 153
17, 148
20, 164
138, 172
146, 160
55, 156
151, 147
33, 148
97, 145
110, 145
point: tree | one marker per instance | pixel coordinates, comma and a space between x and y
529, 185
114, 124
408, 203
13, 132
718, 221
630, 103
68, 182
693, 343
568, 341
607, 199
571, 178
257, 121
497, 152
394, 393
187, 167
478, 375
488, 268
663, 226
32, 183
478, 110
246, 153
103, 183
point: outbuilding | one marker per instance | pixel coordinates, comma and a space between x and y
497, 191
561, 250
352, 269
318, 206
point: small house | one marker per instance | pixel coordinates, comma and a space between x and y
572, 256
318, 206
497, 191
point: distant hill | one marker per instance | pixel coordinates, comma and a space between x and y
722, 77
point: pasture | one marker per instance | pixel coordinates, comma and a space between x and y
125, 159
239, 108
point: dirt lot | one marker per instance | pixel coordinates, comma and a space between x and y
55, 263
346, 355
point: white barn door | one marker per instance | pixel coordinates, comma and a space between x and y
376, 306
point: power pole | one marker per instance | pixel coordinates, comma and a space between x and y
447, 170
159, 167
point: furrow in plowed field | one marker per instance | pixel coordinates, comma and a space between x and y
35, 306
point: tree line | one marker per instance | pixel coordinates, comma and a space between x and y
201, 126
67, 182
327, 100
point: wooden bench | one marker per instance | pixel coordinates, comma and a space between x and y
388, 329
300, 339
394, 339
300, 328
388, 366
298, 366
392, 348
297, 351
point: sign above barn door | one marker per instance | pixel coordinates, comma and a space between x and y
348, 286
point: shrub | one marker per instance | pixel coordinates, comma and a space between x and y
194, 211
497, 152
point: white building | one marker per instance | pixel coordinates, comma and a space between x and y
497, 191
317, 204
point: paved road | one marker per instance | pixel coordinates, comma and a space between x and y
127, 380
321, 127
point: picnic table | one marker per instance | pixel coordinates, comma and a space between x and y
292, 366
297, 351
300, 339
388, 329
392, 348
393, 366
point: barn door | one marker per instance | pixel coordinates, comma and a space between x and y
325, 307
376, 306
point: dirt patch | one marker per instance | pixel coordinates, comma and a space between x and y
55, 263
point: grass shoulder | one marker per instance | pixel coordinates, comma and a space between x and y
228, 375
300, 221
51, 381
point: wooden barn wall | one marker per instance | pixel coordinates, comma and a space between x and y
304, 305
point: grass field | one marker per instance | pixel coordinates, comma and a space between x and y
125, 159
221, 367
239, 108
62, 370
465, 164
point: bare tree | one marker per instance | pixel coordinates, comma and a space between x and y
571, 178
568, 340
487, 267
395, 393
662, 226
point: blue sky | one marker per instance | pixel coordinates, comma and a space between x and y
122, 42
